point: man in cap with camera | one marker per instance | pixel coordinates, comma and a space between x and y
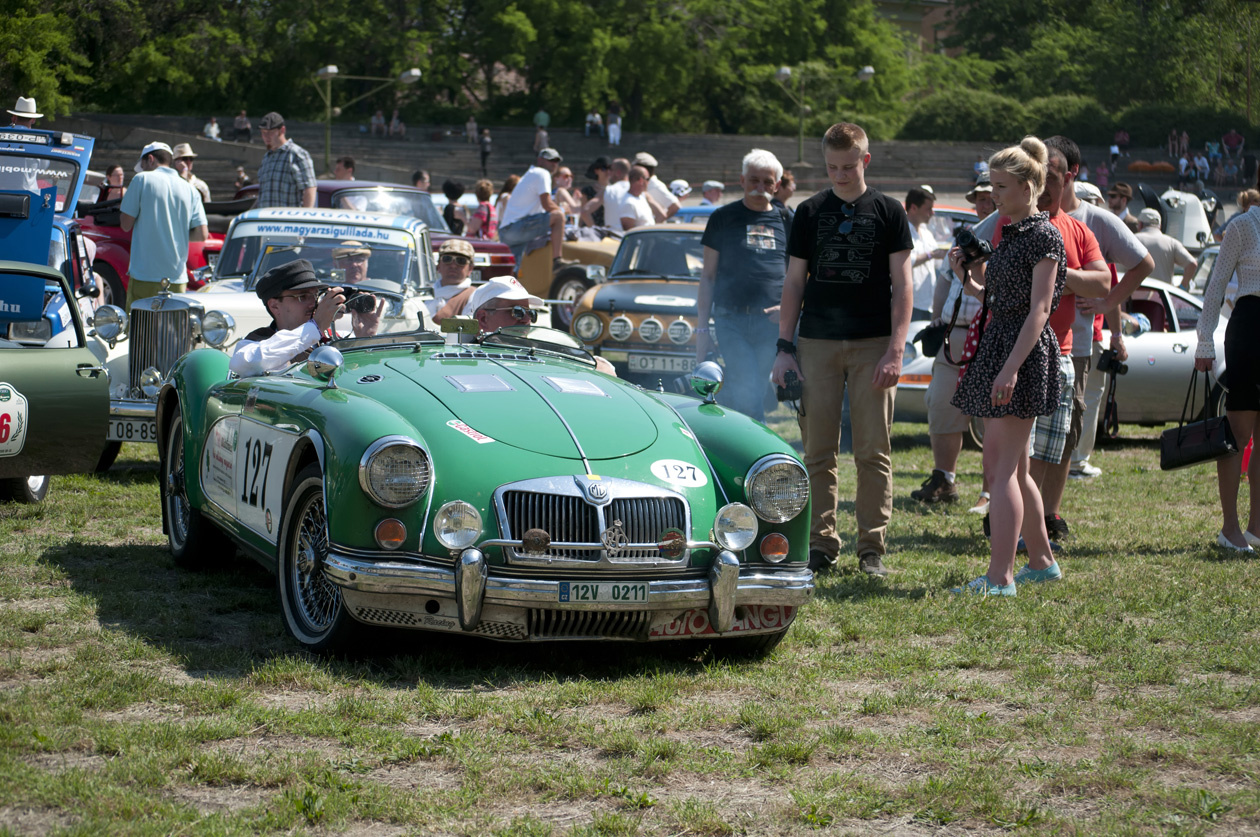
163, 213
1167, 252
302, 310
287, 175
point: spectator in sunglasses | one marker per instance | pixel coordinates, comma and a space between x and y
454, 288
502, 302
352, 257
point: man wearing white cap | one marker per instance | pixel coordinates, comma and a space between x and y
502, 302
1168, 252
711, 191
662, 201
680, 188
24, 113
163, 213
184, 156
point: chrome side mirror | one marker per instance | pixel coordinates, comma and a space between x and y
706, 380
324, 363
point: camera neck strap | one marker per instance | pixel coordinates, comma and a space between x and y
984, 315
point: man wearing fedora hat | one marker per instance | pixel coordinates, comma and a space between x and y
303, 310
184, 156
24, 113
162, 213
1118, 198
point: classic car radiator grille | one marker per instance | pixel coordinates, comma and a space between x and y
158, 339
570, 519
564, 518
559, 624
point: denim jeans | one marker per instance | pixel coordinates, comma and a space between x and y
747, 344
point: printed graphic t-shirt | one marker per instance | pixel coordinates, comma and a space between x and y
752, 256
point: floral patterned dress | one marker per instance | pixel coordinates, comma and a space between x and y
1009, 279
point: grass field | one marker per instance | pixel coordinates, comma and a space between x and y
136, 698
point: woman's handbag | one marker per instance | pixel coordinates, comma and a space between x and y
931, 337
1196, 442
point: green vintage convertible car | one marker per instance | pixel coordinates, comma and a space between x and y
496, 485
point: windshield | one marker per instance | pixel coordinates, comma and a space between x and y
676, 255
249, 238
20, 173
540, 337
392, 202
377, 267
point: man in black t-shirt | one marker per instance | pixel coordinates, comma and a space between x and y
848, 282
745, 257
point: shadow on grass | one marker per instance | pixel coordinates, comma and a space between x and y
225, 622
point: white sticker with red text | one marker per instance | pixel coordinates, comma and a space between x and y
13, 420
476, 436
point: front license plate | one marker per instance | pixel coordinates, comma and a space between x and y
132, 430
661, 363
582, 591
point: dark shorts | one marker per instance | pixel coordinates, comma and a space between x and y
1242, 355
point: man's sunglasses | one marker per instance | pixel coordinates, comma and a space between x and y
518, 312
846, 226
451, 258
356, 258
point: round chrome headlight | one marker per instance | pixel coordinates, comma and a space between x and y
679, 331
110, 322
735, 527
588, 326
777, 488
621, 328
457, 525
217, 328
650, 330
394, 472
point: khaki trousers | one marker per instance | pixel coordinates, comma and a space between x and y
828, 367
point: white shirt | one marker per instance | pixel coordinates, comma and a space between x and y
442, 293
614, 194
661, 194
632, 206
1240, 251
922, 276
211, 130
525, 198
276, 352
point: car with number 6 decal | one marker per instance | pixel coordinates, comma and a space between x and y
493, 485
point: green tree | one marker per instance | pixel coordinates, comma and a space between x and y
40, 58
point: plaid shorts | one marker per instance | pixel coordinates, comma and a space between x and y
1049, 436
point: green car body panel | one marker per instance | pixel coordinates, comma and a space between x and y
486, 418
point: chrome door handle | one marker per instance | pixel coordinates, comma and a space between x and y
85, 371
1180, 348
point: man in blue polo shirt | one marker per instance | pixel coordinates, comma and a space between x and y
163, 213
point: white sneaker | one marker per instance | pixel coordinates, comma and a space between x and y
1084, 471
981, 506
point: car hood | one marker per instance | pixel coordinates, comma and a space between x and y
560, 410
647, 295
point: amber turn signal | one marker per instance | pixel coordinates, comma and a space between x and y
390, 533
774, 547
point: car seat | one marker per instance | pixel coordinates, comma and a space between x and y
1154, 311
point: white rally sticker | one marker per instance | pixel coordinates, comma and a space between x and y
677, 472
218, 463
13, 420
262, 458
476, 436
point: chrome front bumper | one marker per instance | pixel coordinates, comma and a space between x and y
132, 408
469, 591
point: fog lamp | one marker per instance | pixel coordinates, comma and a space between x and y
735, 527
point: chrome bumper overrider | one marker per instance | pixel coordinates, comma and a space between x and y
473, 589
132, 408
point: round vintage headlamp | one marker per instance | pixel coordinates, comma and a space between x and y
217, 328
650, 330
150, 382
394, 472
457, 525
680, 331
110, 322
777, 488
735, 527
588, 326
621, 328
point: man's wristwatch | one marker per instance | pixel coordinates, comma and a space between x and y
786, 346
702, 330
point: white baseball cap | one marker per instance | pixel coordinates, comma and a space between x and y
680, 188
500, 287
149, 149
1087, 191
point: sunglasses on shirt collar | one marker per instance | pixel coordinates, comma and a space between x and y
846, 226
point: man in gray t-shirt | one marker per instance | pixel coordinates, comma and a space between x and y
1168, 253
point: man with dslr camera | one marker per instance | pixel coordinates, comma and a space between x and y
303, 310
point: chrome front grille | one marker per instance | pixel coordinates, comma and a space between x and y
592, 512
158, 339
589, 624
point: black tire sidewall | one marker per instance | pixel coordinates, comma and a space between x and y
309, 482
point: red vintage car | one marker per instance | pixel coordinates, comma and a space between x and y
492, 258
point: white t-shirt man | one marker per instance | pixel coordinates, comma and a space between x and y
614, 194
923, 276
524, 200
636, 207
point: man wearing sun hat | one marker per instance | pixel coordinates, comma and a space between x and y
352, 257
163, 213
24, 113
184, 156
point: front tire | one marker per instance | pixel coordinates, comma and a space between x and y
311, 604
108, 455
194, 541
25, 489
112, 292
569, 285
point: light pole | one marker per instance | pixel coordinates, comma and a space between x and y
783, 75
326, 75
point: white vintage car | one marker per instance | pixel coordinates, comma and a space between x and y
146, 342
1150, 393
